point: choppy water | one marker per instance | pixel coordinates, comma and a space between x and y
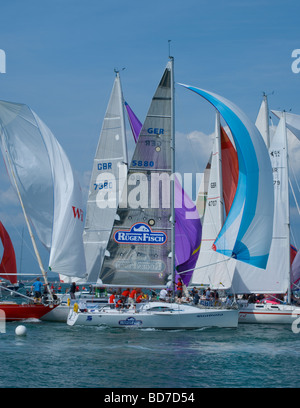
56, 355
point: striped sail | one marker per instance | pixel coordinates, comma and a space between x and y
247, 231
107, 181
139, 251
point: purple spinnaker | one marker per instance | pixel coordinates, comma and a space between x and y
188, 229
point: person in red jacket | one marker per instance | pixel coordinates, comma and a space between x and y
112, 299
132, 296
179, 289
139, 298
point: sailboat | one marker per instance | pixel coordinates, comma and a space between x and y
280, 269
245, 278
48, 191
141, 248
238, 246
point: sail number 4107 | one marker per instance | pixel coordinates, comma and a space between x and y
170, 397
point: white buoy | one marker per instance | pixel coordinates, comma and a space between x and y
21, 331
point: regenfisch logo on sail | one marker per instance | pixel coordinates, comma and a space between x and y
140, 233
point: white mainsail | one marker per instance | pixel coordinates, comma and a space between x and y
211, 266
275, 278
108, 177
47, 185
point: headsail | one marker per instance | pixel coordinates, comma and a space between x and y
8, 266
262, 121
140, 242
107, 181
50, 193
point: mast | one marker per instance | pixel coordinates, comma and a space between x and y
288, 258
266, 112
173, 174
219, 167
29, 227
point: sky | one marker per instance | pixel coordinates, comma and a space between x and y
61, 56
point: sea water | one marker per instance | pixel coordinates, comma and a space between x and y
57, 355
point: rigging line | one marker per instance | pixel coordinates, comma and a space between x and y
294, 174
293, 192
294, 238
204, 266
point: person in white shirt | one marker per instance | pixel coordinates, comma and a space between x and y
163, 295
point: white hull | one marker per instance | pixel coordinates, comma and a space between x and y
157, 315
61, 312
268, 313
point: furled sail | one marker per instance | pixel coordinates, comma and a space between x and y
50, 193
187, 222
8, 266
140, 244
107, 180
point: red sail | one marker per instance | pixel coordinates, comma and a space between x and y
230, 170
8, 264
